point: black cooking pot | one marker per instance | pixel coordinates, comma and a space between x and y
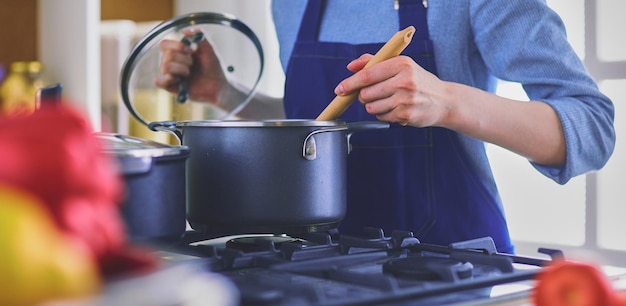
154, 179
272, 176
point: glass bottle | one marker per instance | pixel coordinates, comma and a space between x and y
19, 90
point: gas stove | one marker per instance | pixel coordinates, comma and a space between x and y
328, 268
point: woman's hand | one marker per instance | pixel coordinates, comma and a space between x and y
396, 90
200, 66
399, 90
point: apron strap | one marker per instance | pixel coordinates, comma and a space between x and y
413, 12
309, 27
410, 12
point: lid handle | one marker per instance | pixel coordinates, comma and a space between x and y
183, 86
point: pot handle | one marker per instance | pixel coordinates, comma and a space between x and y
167, 126
309, 148
359, 126
136, 165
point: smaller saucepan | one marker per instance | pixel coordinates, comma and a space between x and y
154, 178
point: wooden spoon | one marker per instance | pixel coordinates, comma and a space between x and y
393, 47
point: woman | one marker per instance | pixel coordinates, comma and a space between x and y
428, 173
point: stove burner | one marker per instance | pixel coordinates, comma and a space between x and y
259, 243
329, 268
429, 268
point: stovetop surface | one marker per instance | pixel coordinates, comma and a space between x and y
372, 269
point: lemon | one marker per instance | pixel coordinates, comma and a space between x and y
38, 263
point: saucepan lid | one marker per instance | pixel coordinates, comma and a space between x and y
238, 48
120, 145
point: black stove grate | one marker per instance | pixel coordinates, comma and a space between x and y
332, 269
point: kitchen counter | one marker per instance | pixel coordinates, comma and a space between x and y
521, 297
181, 284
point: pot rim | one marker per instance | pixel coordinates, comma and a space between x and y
261, 123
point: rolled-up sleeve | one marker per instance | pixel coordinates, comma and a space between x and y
527, 44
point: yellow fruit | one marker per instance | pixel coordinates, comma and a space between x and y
37, 262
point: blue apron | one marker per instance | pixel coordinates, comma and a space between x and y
401, 178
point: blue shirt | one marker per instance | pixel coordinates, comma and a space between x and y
477, 42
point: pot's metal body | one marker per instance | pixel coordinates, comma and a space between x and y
265, 176
154, 204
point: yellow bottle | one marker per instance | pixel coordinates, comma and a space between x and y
34, 76
19, 90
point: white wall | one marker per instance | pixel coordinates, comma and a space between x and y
69, 49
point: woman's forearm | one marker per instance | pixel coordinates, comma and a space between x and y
261, 106
529, 128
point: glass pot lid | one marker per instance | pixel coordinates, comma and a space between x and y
236, 45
